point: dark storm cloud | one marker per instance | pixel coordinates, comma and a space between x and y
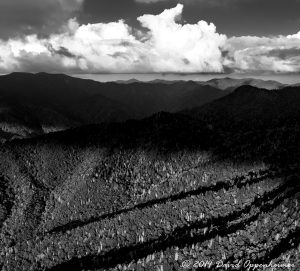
41, 62
120, 54
65, 52
185, 61
19, 17
285, 53
125, 43
62, 51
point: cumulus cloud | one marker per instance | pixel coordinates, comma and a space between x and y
165, 45
182, 48
276, 54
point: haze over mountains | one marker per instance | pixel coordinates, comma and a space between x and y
226, 83
34, 104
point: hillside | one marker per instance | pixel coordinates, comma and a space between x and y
34, 104
220, 181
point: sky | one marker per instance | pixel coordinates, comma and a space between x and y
150, 36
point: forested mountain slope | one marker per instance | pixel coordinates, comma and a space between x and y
219, 182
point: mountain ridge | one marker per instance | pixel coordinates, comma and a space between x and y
34, 104
47, 100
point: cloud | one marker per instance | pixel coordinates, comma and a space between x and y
19, 17
285, 53
182, 48
275, 54
165, 45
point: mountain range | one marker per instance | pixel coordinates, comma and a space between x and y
34, 104
226, 83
